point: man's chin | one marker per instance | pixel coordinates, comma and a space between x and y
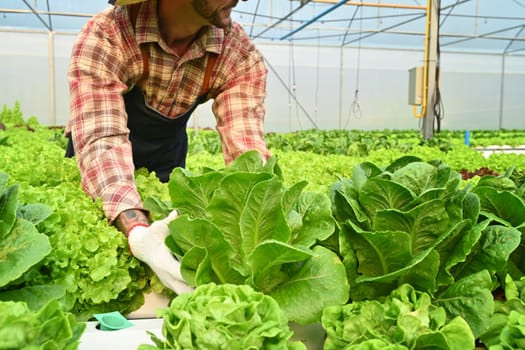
223, 23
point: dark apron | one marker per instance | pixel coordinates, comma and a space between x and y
158, 143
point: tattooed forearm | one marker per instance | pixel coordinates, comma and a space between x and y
130, 218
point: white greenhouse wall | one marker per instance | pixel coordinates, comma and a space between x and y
475, 94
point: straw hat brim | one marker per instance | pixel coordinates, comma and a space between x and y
128, 2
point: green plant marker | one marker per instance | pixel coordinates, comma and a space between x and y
112, 321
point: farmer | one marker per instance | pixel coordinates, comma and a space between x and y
138, 70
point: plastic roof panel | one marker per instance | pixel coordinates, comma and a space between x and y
56, 15
465, 25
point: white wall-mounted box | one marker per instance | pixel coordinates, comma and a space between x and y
415, 86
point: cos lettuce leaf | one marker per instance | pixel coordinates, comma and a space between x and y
241, 225
415, 222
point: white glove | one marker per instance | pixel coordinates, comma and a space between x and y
147, 244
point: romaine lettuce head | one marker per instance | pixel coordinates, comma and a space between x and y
224, 316
242, 225
415, 222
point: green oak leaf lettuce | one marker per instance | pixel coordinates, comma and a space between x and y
89, 258
21, 244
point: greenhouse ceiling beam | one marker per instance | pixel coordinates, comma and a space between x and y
47, 25
303, 3
336, 32
322, 14
487, 35
404, 22
375, 4
516, 38
407, 33
47, 13
515, 50
383, 30
34, 31
336, 4
49, 16
491, 37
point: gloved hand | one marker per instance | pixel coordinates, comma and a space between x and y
147, 244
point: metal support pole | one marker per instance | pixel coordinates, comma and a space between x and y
502, 91
52, 101
433, 42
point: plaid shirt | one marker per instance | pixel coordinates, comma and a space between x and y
106, 62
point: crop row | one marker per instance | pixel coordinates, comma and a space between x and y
403, 224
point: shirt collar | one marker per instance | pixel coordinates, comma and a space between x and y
147, 27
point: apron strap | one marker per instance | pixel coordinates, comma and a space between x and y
205, 88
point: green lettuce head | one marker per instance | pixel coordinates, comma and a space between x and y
224, 316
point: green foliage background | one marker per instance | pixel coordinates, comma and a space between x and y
102, 276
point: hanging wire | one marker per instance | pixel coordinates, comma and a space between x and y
291, 92
290, 86
355, 106
291, 95
345, 36
293, 82
355, 109
287, 88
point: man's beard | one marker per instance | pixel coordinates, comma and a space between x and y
213, 16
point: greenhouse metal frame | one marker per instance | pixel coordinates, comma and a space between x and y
357, 25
